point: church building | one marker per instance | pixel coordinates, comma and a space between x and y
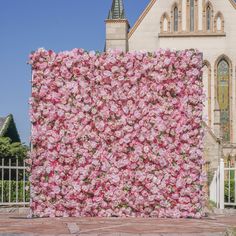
210, 27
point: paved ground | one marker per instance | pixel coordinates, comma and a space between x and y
12, 224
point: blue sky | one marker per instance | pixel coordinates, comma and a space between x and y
26, 25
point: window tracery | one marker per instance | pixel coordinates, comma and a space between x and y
165, 23
176, 19
223, 96
192, 15
208, 18
219, 22
185, 19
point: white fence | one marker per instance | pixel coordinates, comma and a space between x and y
223, 186
14, 184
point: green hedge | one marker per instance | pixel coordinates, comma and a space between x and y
13, 184
232, 191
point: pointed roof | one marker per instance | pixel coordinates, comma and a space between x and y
141, 17
117, 10
8, 128
148, 8
233, 2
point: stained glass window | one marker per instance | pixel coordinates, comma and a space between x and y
176, 19
208, 18
223, 98
192, 15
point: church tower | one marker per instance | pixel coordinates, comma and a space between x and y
117, 27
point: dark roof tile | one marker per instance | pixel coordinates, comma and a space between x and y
117, 10
2, 122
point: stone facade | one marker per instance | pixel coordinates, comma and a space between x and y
117, 34
208, 25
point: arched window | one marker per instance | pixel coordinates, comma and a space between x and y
219, 22
165, 23
176, 20
223, 74
192, 13
208, 18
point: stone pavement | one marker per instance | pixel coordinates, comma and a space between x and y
13, 224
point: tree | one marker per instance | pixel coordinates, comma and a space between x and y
12, 150
5, 144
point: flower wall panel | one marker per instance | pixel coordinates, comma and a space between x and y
117, 134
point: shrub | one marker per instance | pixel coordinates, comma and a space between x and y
7, 185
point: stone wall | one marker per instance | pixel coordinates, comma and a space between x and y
116, 34
145, 35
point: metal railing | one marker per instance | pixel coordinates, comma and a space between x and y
216, 187
230, 183
223, 186
14, 183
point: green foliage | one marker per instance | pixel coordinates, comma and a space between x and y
12, 150
230, 197
19, 150
12, 186
5, 144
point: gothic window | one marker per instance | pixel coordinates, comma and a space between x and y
165, 23
208, 20
223, 98
176, 15
192, 13
219, 22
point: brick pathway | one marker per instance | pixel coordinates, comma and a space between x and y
12, 224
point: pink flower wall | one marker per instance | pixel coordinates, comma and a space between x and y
117, 134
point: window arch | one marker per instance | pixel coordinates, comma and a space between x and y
165, 23
219, 22
208, 21
192, 15
176, 19
223, 69
209, 16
